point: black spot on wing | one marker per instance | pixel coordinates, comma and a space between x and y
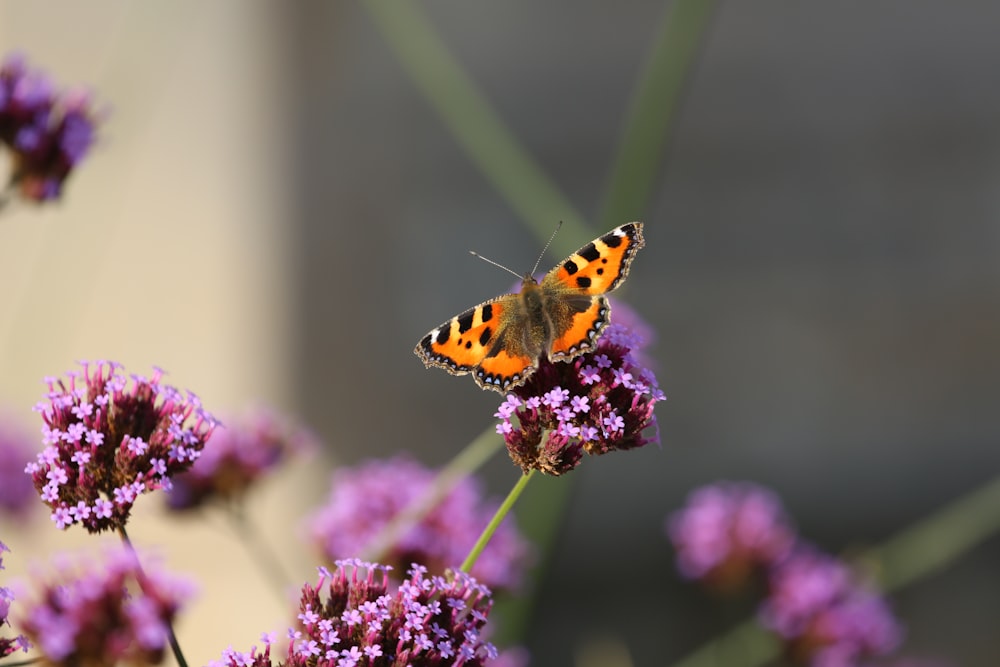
465, 321
487, 312
589, 252
485, 337
583, 282
570, 267
442, 337
611, 240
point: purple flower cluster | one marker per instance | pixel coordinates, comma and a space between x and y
599, 402
17, 495
48, 134
94, 614
727, 532
8, 645
363, 499
239, 455
427, 621
109, 441
825, 614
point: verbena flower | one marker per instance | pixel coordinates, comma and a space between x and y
239, 455
728, 532
364, 498
96, 613
599, 402
8, 645
17, 495
48, 134
427, 621
110, 440
824, 614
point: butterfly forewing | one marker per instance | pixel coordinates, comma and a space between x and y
601, 265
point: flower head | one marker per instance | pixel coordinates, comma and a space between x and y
8, 645
426, 621
48, 134
363, 500
111, 440
726, 532
97, 613
17, 495
825, 614
599, 402
239, 455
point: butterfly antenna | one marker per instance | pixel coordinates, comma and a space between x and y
496, 264
539, 260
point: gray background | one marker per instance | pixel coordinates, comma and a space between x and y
821, 268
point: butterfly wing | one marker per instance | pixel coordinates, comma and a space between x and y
487, 340
573, 289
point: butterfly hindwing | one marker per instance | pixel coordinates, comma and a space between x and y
509, 362
461, 343
579, 332
601, 265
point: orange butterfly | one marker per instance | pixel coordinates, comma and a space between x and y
501, 341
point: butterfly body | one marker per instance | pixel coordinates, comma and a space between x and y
501, 341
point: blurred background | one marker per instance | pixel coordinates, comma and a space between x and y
277, 212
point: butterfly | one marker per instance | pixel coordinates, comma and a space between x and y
502, 340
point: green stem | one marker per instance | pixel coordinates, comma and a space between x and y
479, 130
935, 541
175, 646
494, 523
475, 454
259, 550
654, 105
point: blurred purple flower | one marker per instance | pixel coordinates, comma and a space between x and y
48, 135
363, 499
17, 494
238, 456
427, 621
599, 402
824, 614
108, 442
728, 532
8, 645
94, 614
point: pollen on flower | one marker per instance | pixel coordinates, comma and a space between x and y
825, 613
94, 612
728, 532
599, 402
240, 454
132, 439
48, 134
353, 617
8, 645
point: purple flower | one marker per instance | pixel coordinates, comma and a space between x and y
95, 613
100, 413
8, 645
48, 134
238, 456
403, 618
363, 499
599, 402
17, 495
825, 615
727, 532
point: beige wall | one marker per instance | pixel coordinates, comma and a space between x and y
168, 249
